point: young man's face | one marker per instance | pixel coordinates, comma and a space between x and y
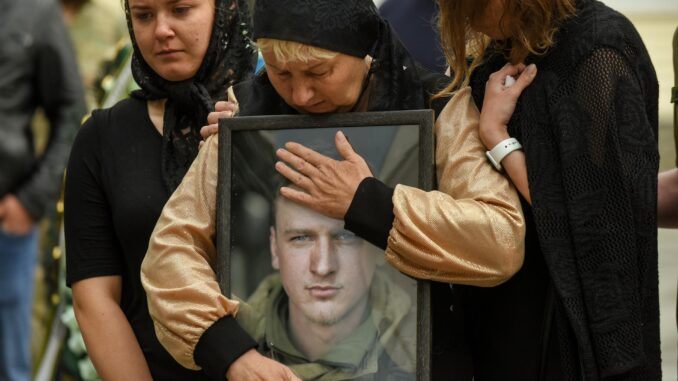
319, 86
324, 269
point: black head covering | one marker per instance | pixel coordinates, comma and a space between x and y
230, 57
345, 26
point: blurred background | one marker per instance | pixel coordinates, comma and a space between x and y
99, 33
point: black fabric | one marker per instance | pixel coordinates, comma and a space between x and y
114, 195
230, 58
38, 69
511, 315
211, 342
588, 125
347, 26
370, 214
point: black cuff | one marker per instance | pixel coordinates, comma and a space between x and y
220, 346
370, 214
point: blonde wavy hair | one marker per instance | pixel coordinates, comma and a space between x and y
287, 51
531, 24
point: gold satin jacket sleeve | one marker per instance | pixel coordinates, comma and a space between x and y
471, 230
178, 272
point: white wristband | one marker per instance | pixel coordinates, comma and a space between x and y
499, 152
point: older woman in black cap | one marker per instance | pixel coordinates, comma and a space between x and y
327, 56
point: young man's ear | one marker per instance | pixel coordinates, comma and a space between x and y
274, 252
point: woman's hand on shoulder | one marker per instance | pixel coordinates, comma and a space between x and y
502, 91
222, 109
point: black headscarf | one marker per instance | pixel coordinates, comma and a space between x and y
347, 26
230, 57
352, 27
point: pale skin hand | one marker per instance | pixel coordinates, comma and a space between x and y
14, 218
327, 185
222, 109
252, 366
498, 107
108, 335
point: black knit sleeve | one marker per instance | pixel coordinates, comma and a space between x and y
213, 355
606, 131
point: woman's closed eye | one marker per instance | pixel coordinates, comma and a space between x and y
319, 74
181, 10
142, 15
282, 74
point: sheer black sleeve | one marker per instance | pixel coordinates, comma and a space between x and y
606, 135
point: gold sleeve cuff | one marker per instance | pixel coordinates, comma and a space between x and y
471, 230
177, 273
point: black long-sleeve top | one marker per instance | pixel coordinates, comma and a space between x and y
588, 125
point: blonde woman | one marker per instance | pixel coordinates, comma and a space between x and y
322, 57
585, 303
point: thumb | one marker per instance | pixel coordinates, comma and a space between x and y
526, 77
343, 146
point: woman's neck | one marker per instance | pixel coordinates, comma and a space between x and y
156, 112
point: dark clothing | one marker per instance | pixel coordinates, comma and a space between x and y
512, 315
588, 124
114, 196
38, 69
414, 22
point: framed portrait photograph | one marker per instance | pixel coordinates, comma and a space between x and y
313, 295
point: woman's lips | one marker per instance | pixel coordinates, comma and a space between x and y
168, 52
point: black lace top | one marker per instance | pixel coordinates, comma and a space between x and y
588, 125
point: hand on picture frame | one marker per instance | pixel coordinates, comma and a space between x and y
327, 185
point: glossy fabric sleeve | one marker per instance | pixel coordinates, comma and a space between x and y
178, 273
469, 231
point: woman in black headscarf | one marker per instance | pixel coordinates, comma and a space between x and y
127, 160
